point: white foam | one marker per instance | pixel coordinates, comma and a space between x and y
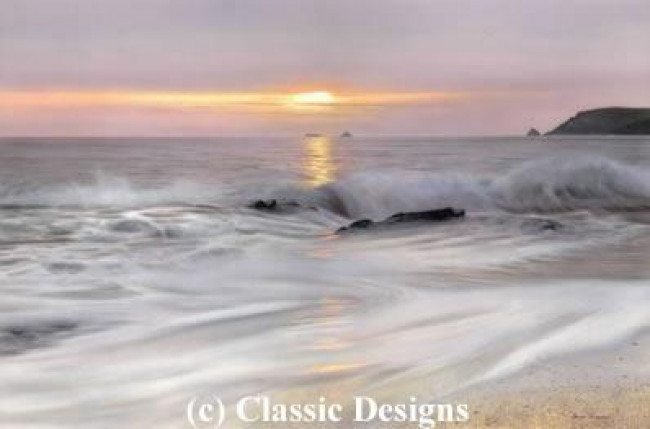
104, 191
544, 185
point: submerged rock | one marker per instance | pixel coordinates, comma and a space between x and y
438, 215
66, 267
21, 338
538, 224
132, 226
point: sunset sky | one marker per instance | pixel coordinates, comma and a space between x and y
255, 67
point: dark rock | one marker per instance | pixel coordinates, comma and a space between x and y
276, 206
608, 120
438, 215
533, 133
550, 225
361, 223
429, 215
264, 205
346, 135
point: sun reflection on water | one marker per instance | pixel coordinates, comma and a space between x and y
332, 344
318, 163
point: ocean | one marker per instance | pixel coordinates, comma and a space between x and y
134, 276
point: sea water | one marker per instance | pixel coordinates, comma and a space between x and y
134, 276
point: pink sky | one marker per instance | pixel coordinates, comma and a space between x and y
520, 63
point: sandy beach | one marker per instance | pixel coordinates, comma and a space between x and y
607, 389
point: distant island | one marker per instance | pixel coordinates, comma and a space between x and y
607, 120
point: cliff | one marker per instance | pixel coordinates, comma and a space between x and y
608, 120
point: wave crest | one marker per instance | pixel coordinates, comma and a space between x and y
561, 184
546, 185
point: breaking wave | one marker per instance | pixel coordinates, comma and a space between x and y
102, 191
546, 185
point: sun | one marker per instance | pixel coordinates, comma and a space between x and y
313, 98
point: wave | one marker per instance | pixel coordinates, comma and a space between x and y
561, 184
543, 185
379, 194
546, 185
102, 191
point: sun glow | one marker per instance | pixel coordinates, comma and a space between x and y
314, 98
314, 102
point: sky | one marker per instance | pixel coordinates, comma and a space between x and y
257, 67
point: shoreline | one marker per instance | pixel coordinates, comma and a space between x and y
597, 389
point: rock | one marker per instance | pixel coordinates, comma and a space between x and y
356, 225
533, 133
438, 215
360, 224
429, 215
346, 135
264, 205
549, 225
275, 206
608, 120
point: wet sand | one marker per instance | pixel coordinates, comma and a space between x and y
610, 389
